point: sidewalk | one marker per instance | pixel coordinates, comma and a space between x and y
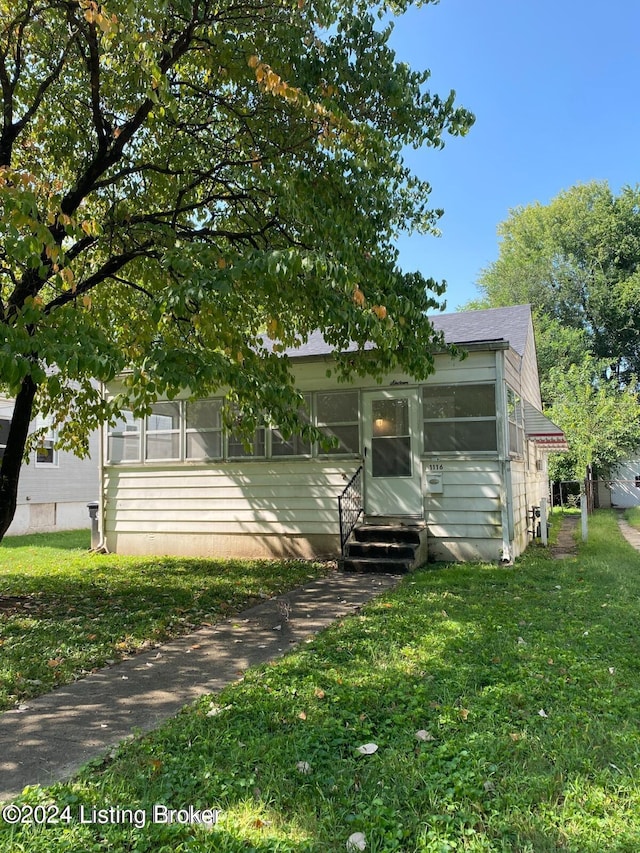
54, 735
566, 545
631, 534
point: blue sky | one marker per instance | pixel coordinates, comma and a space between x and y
555, 87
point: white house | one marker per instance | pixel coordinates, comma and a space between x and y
625, 483
462, 456
55, 486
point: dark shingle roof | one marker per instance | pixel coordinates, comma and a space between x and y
465, 327
492, 324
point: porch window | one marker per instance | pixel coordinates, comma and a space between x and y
163, 432
514, 412
459, 418
123, 444
294, 445
337, 416
255, 449
204, 429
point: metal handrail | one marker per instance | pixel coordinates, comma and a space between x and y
350, 507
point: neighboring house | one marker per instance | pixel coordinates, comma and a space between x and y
625, 484
55, 486
463, 454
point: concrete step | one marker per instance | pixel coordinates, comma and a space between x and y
387, 533
391, 550
376, 565
385, 548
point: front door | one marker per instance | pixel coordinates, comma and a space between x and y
392, 468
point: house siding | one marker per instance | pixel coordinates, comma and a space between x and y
624, 492
464, 522
255, 509
529, 486
55, 497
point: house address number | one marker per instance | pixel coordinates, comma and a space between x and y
435, 466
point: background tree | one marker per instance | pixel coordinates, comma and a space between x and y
577, 261
177, 178
601, 420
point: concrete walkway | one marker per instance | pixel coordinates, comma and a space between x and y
566, 545
51, 737
631, 534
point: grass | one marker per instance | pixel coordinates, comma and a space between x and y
633, 516
525, 685
65, 612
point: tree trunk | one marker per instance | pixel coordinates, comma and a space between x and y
14, 452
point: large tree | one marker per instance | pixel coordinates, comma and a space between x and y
577, 261
178, 177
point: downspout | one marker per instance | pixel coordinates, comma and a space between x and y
506, 491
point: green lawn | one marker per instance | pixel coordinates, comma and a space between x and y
64, 612
523, 682
633, 515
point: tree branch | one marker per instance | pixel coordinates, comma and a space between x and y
108, 270
104, 160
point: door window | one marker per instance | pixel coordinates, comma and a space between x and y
391, 439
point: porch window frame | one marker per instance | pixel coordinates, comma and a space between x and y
521, 450
179, 431
220, 430
272, 430
139, 432
490, 452
338, 453
245, 456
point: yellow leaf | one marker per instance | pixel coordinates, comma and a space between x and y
319, 694
380, 311
54, 662
67, 276
464, 713
272, 327
86, 301
358, 297
302, 715
253, 61
221, 263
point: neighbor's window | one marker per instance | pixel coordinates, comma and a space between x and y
5, 423
123, 444
514, 412
46, 454
163, 431
204, 429
337, 415
294, 445
459, 418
